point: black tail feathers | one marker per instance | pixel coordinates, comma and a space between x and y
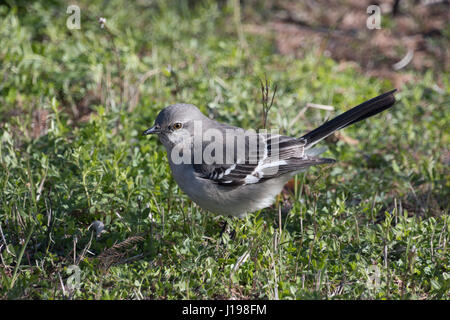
363, 111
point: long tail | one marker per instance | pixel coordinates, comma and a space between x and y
364, 110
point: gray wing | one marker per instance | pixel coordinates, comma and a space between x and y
270, 157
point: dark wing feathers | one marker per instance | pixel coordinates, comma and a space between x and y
264, 163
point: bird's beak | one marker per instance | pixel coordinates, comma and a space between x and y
152, 130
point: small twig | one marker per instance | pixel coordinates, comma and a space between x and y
86, 249
275, 277
279, 219
62, 284
19, 259
41, 186
4, 242
238, 23
404, 61
117, 57
265, 99
75, 241
240, 261
313, 106
136, 93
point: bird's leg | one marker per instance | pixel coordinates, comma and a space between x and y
224, 228
232, 233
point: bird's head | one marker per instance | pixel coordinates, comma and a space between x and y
175, 124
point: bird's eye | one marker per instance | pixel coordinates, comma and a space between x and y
177, 125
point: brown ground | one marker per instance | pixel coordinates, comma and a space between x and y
339, 29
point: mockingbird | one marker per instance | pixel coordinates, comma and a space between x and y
230, 171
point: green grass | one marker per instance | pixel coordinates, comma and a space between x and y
382, 209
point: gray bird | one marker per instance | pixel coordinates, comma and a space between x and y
230, 171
